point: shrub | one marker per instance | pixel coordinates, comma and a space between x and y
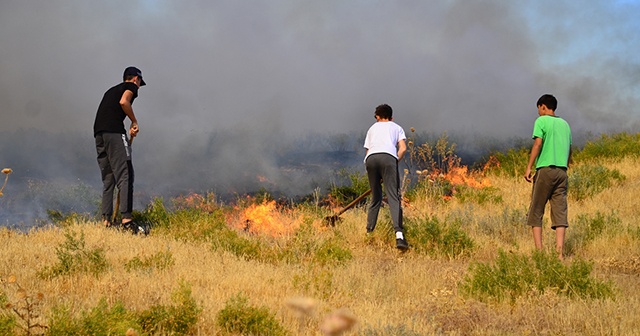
512, 163
358, 185
179, 318
100, 320
515, 275
75, 257
507, 225
611, 147
159, 261
155, 213
193, 225
309, 246
331, 252
231, 241
435, 188
587, 228
431, 158
585, 181
429, 236
239, 317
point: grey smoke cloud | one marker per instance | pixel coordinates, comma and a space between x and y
294, 66
234, 85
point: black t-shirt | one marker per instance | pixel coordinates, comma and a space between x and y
110, 116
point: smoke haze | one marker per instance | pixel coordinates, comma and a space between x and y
236, 87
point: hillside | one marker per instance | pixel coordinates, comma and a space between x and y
258, 266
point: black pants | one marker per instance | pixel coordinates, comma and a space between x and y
114, 160
384, 167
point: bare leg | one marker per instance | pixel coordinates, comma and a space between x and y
560, 231
537, 236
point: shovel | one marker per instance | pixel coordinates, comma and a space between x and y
331, 220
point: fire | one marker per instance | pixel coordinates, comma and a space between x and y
455, 176
262, 179
493, 162
461, 176
266, 218
205, 203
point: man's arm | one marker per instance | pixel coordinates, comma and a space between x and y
125, 103
535, 150
570, 160
402, 149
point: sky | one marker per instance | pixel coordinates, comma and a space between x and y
229, 82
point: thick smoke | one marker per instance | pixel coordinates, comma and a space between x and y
238, 90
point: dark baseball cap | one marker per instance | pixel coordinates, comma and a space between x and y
133, 71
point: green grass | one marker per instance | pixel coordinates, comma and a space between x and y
514, 275
587, 228
585, 181
430, 236
239, 317
612, 147
159, 261
75, 257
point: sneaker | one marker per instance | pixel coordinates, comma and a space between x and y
136, 228
402, 244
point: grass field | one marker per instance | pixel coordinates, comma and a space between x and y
262, 268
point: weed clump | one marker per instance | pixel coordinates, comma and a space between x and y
587, 228
179, 318
429, 236
75, 257
516, 275
239, 317
241, 247
358, 185
99, 320
611, 147
585, 181
159, 261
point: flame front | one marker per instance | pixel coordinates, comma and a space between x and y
462, 176
265, 218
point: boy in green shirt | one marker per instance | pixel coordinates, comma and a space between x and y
551, 155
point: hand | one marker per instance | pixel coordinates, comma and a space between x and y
528, 175
133, 131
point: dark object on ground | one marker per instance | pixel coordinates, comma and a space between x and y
402, 244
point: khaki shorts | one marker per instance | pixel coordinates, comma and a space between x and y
549, 185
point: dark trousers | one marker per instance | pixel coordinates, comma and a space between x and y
114, 160
383, 167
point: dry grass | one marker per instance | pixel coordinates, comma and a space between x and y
388, 292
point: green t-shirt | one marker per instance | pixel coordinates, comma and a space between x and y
556, 141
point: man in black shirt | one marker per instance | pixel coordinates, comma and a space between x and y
113, 146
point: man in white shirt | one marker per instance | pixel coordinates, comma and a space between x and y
385, 144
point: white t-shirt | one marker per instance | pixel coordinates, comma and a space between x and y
383, 137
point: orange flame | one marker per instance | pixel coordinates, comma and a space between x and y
491, 163
266, 218
461, 176
196, 201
